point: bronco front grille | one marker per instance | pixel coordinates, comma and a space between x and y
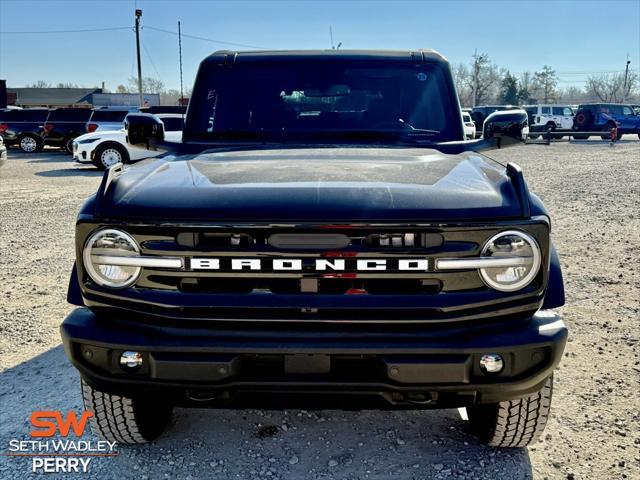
292, 268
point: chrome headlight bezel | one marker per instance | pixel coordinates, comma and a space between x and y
536, 260
90, 267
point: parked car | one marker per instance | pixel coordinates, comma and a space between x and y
105, 148
480, 113
304, 244
544, 117
3, 152
23, 128
164, 109
107, 119
63, 125
469, 126
595, 117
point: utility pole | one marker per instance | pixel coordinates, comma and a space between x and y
138, 15
180, 50
476, 73
626, 75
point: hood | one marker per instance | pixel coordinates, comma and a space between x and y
102, 134
315, 185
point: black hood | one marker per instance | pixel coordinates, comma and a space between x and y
315, 184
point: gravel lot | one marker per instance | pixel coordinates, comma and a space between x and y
593, 193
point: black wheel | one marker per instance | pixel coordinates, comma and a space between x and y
30, 143
607, 128
68, 146
515, 423
109, 154
125, 420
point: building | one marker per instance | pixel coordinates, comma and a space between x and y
124, 99
53, 97
76, 97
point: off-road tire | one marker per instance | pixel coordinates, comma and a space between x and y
125, 420
514, 423
607, 128
30, 143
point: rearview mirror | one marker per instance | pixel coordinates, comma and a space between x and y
144, 130
506, 128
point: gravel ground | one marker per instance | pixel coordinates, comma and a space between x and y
593, 194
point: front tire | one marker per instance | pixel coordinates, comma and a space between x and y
30, 143
513, 423
125, 420
108, 154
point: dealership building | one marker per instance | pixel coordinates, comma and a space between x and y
76, 97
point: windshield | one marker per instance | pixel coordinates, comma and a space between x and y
314, 100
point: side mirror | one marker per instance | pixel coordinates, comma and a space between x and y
144, 130
506, 128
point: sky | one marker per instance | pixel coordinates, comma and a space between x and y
575, 37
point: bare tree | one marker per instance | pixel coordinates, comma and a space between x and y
67, 85
462, 80
149, 85
571, 95
122, 89
610, 87
40, 84
170, 97
545, 81
484, 79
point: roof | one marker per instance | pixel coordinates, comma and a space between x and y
422, 55
53, 96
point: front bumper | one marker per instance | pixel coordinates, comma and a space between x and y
81, 154
229, 366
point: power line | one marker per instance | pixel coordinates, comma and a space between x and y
150, 59
233, 44
66, 31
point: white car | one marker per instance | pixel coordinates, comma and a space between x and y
469, 126
105, 148
544, 117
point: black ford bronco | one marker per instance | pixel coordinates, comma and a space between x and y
322, 237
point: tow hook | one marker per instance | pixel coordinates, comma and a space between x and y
417, 398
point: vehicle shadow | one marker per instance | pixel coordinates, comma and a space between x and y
201, 443
71, 172
44, 156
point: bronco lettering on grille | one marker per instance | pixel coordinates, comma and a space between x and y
319, 264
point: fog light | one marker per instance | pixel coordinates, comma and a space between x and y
131, 360
491, 363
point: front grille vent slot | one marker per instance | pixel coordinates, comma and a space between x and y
325, 286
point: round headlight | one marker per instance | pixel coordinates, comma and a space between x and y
105, 244
511, 244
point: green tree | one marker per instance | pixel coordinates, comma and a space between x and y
509, 90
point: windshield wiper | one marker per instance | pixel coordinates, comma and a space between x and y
420, 130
